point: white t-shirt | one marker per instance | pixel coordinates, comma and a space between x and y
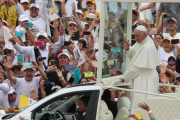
4, 89
27, 87
163, 56
167, 35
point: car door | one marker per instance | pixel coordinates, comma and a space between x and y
63, 107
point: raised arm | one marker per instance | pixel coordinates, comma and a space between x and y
22, 49
9, 66
19, 8
148, 6
41, 71
158, 18
63, 10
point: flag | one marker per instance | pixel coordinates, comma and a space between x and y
25, 101
53, 14
138, 116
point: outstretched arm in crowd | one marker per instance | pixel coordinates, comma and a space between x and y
80, 4
9, 66
19, 8
63, 10
148, 109
158, 18
41, 71
148, 6
23, 49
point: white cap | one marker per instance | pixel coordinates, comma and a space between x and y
4, 22
83, 39
9, 47
66, 54
71, 22
23, 17
12, 90
79, 11
173, 19
91, 15
105, 56
34, 5
28, 68
54, 87
141, 28
42, 33
23, 1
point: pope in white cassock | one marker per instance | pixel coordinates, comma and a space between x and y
142, 68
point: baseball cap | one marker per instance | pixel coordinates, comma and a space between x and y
42, 33
9, 47
166, 39
28, 68
12, 90
91, 15
83, 39
92, 1
173, 19
23, 1
66, 54
79, 11
23, 17
4, 22
71, 22
34, 5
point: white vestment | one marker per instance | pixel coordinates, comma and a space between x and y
142, 70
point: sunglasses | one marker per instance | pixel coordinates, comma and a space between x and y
7, 52
34, 9
171, 22
171, 63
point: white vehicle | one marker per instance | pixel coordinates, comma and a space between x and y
61, 105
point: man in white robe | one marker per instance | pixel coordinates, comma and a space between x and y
142, 70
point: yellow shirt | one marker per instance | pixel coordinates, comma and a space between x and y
1, 13
10, 14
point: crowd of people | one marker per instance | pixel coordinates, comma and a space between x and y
40, 56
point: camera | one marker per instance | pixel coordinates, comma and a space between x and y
48, 83
42, 58
165, 15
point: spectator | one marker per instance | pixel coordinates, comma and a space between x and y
9, 51
83, 80
91, 4
4, 32
43, 50
28, 84
10, 12
26, 6
54, 74
79, 15
158, 40
12, 97
172, 26
171, 9
172, 63
37, 16
166, 51
135, 18
4, 89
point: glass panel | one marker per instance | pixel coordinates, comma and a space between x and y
114, 37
